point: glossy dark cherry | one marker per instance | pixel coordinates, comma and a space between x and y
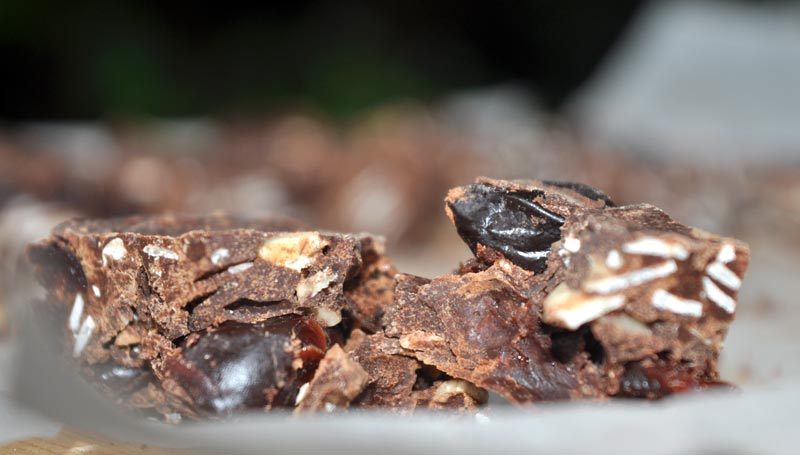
509, 222
238, 366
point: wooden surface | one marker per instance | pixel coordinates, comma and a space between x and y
70, 442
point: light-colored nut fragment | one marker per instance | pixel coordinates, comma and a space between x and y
329, 317
219, 255
654, 246
572, 244
295, 251
419, 338
627, 324
667, 301
614, 260
311, 286
127, 337
633, 278
159, 252
114, 249
570, 309
455, 387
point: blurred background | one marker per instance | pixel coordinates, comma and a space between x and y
358, 116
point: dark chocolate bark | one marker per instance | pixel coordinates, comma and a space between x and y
568, 297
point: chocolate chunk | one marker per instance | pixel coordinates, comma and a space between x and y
337, 381
391, 375
619, 285
479, 327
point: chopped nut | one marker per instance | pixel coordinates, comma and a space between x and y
114, 249
453, 387
127, 337
572, 244
329, 317
159, 252
295, 251
219, 255
627, 324
312, 285
569, 308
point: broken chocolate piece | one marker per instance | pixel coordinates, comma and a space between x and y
337, 381
481, 328
637, 284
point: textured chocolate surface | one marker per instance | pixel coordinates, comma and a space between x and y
568, 297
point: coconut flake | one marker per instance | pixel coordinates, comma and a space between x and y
724, 275
664, 300
718, 296
96, 290
633, 278
76, 314
726, 254
654, 246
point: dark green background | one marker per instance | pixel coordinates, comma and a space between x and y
131, 58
